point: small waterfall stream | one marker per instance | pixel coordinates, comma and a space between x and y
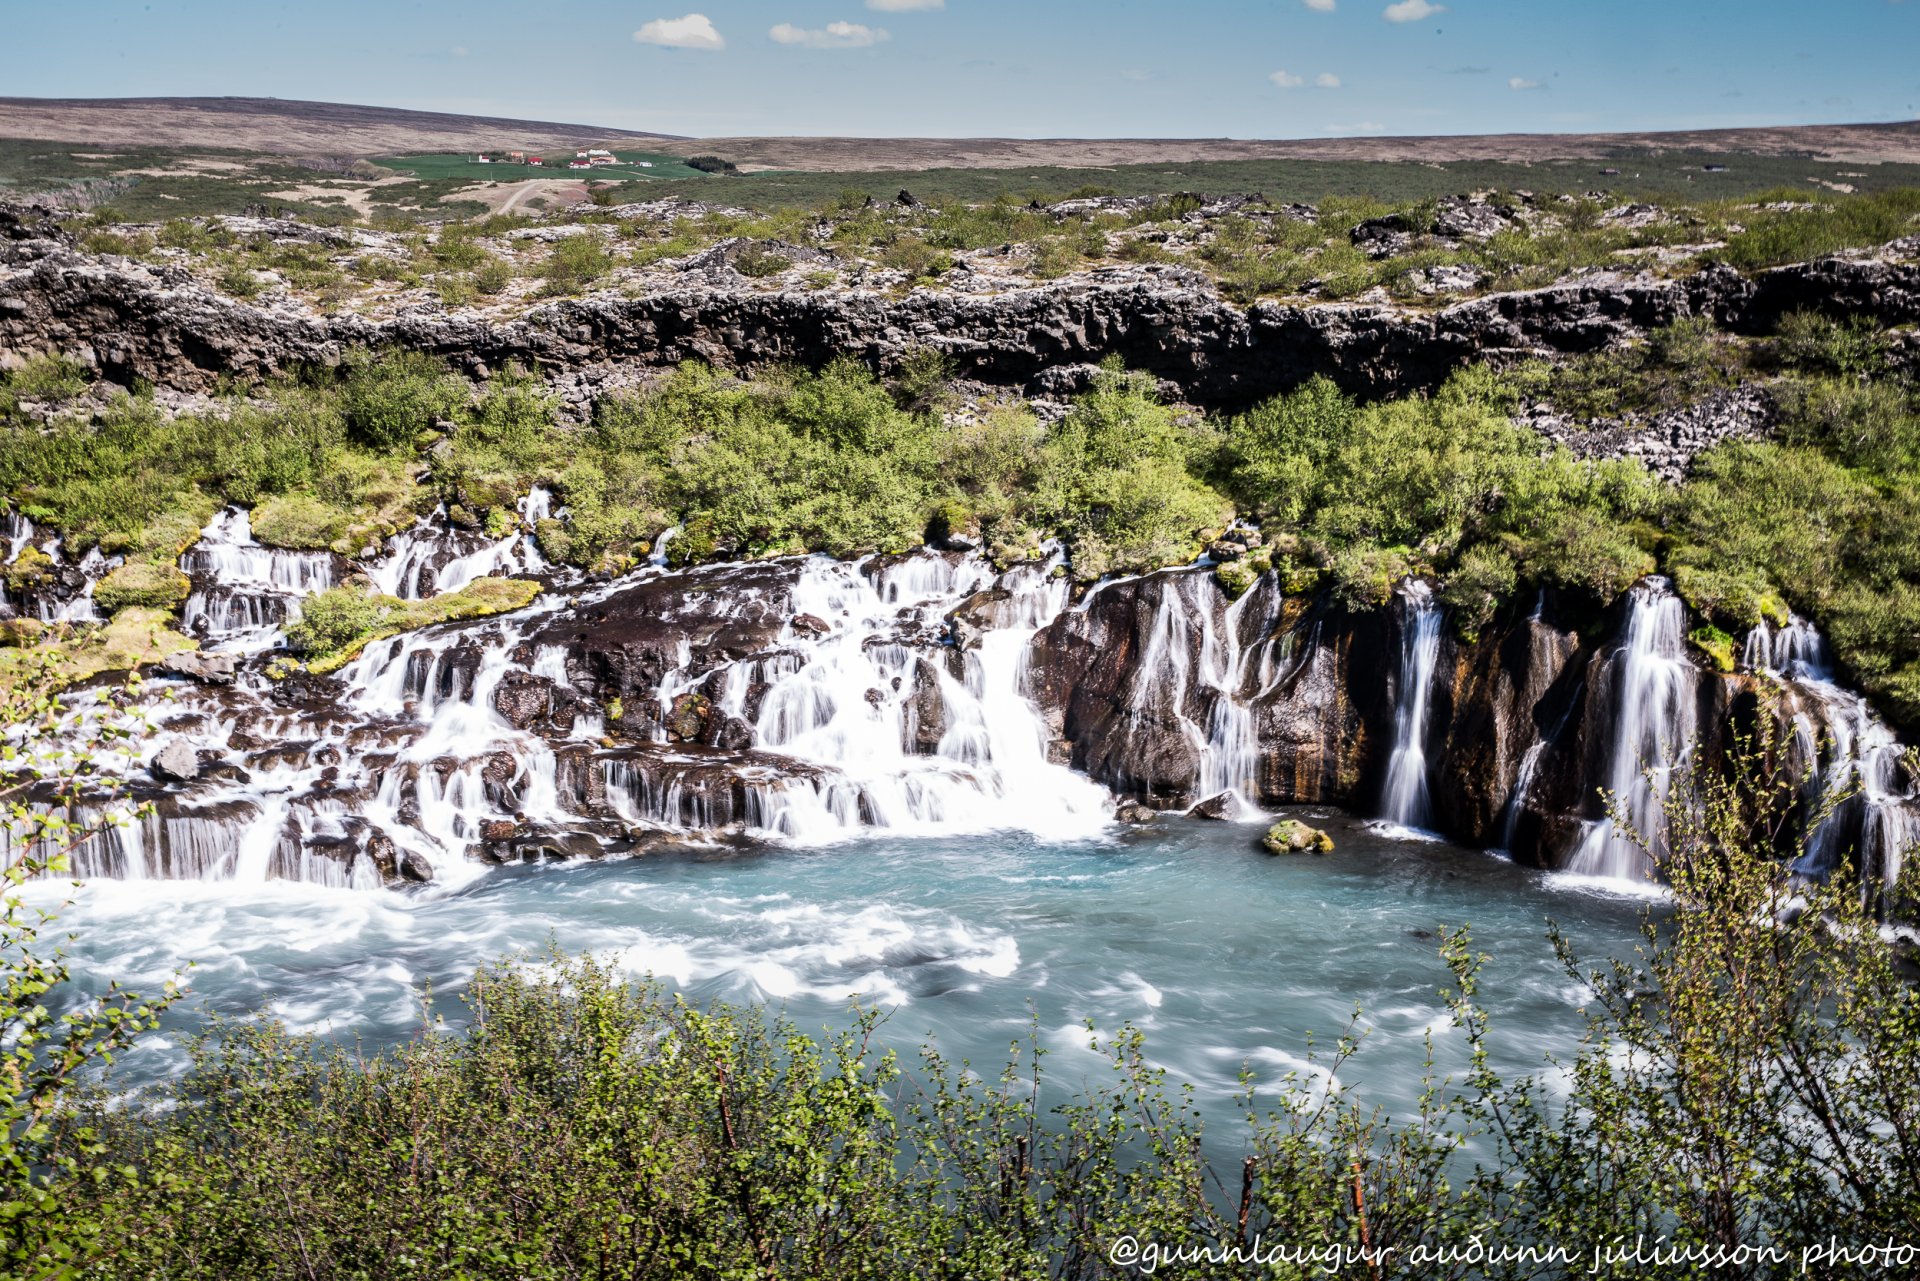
1192, 672
244, 593
1855, 759
1405, 802
1650, 700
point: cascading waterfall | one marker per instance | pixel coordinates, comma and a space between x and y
1405, 802
843, 707
243, 592
854, 713
1193, 651
1650, 697
1862, 768
435, 557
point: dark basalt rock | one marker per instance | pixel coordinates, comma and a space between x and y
1223, 807
177, 762
1161, 320
209, 669
624, 646
690, 719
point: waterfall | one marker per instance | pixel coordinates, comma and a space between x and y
1862, 758
243, 592
1405, 802
804, 699
842, 702
1649, 698
1193, 653
434, 557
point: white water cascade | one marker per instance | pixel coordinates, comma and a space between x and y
1405, 801
438, 751
847, 701
243, 592
1857, 761
1649, 705
1193, 648
435, 557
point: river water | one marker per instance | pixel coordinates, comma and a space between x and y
1224, 955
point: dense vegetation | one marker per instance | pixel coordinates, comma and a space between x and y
1748, 1090
1351, 497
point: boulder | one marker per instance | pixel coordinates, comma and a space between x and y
1291, 836
177, 762
977, 615
1221, 807
1134, 812
690, 718
208, 669
522, 699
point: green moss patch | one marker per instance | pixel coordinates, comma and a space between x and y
134, 637
143, 583
337, 624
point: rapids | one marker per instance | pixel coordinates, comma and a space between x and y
1223, 955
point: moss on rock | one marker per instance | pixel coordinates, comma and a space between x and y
337, 624
1715, 644
144, 583
1291, 836
134, 637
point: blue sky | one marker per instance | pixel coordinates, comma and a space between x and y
1044, 68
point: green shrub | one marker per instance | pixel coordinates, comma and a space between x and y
1817, 344
760, 260
574, 263
1772, 237
1475, 589
336, 623
387, 401
916, 259
47, 377
492, 276
240, 280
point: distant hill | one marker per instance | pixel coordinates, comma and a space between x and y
1863, 143
281, 127
291, 128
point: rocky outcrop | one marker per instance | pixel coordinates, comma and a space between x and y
133, 321
1667, 442
1121, 677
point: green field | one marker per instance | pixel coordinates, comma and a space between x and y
428, 168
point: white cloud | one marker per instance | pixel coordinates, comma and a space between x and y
1327, 80
1364, 126
1412, 10
1320, 6
1286, 80
835, 35
1521, 82
904, 6
695, 31
459, 51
